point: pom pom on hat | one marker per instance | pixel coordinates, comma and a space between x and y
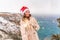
24, 9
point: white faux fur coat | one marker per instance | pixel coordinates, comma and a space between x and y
29, 29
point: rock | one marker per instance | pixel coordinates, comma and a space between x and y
58, 20
53, 37
12, 17
9, 26
56, 37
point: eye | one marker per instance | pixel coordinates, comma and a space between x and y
27, 11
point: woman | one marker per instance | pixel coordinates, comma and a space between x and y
28, 25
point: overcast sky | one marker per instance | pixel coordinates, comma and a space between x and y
35, 6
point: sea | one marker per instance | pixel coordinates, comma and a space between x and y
48, 26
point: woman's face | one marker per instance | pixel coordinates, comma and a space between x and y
27, 13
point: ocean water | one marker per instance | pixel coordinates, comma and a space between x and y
48, 26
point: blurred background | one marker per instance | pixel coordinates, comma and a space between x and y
36, 6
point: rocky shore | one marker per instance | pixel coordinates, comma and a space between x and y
9, 26
58, 20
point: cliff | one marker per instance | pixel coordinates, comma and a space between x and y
58, 20
9, 26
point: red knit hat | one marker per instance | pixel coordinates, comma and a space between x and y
24, 9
